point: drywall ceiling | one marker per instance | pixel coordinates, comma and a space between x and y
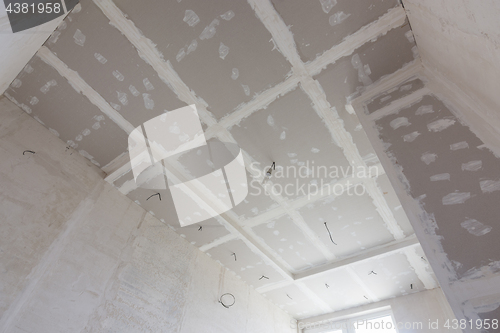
275, 78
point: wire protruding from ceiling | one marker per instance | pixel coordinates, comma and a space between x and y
269, 171
329, 233
152, 195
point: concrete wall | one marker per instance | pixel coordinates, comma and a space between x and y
422, 308
78, 256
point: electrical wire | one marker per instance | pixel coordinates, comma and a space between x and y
329, 233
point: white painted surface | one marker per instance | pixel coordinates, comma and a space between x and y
77, 256
17, 49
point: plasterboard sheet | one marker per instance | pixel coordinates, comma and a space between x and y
389, 276
337, 289
257, 201
164, 210
353, 222
454, 177
272, 135
110, 64
222, 79
394, 204
321, 24
293, 300
247, 265
341, 81
51, 100
394, 94
289, 242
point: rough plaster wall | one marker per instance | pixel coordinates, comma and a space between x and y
461, 40
429, 305
77, 256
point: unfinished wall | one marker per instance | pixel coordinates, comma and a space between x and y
429, 306
78, 256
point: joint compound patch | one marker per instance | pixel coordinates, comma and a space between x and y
411, 137
327, 5
191, 18
424, 109
246, 89
406, 87
192, 46
118, 76
488, 186
385, 98
459, 145
34, 100
133, 91
399, 122
235, 73
209, 30
428, 158
441, 176
147, 84
180, 55
148, 102
475, 227
441, 124
227, 15
79, 37
122, 97
456, 198
338, 18
100, 58
472, 166
223, 51
16, 83
28, 69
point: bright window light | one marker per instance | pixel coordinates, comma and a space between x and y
377, 325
